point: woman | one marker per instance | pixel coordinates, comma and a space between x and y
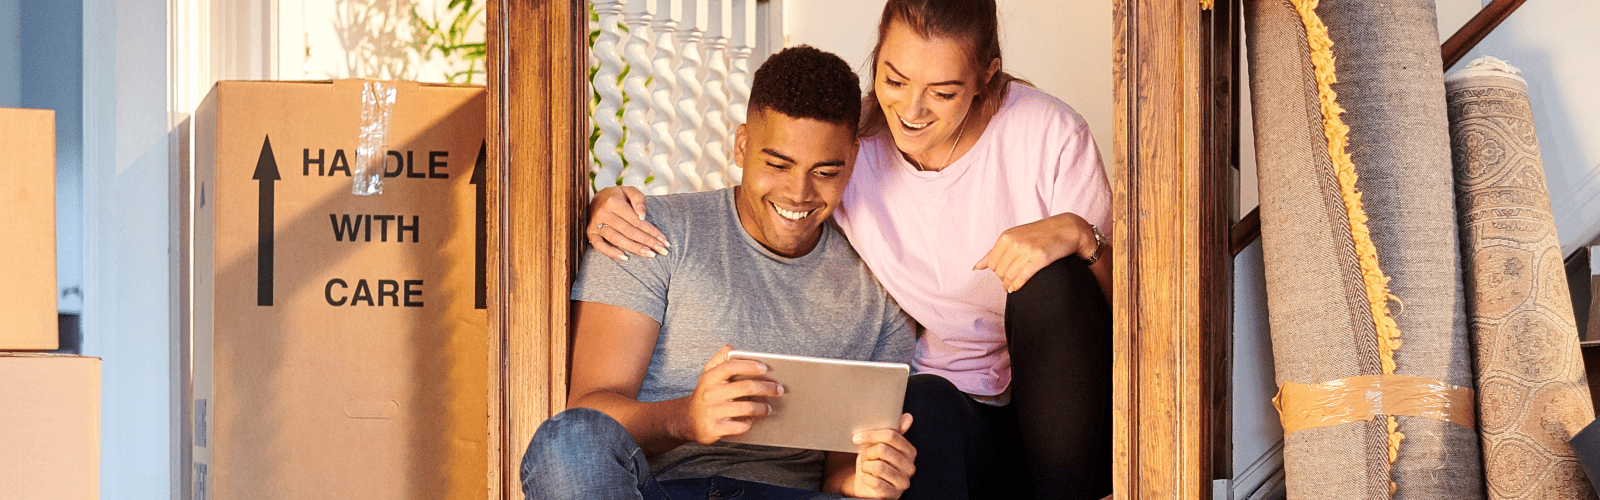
979, 202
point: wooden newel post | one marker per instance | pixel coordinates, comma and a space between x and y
1170, 186
535, 189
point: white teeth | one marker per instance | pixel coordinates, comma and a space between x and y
911, 126
791, 215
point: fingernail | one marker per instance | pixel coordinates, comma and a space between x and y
641, 216
665, 242
763, 367
662, 250
781, 390
856, 439
624, 256
649, 254
769, 409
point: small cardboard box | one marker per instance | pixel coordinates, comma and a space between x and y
28, 256
338, 342
49, 426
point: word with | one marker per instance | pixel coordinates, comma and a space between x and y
346, 226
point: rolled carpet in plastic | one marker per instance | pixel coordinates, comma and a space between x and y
1359, 235
1530, 377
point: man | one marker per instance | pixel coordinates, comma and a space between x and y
756, 266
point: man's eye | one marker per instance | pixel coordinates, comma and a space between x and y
777, 166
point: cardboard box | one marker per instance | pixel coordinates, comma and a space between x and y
49, 426
28, 256
338, 342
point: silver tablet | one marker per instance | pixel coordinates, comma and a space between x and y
826, 401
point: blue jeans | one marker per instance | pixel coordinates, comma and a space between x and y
585, 454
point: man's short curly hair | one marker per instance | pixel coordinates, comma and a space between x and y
805, 82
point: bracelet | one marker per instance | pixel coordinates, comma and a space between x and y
1099, 244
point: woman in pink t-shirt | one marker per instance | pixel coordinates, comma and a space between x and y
978, 202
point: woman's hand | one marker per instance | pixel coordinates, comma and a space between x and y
616, 223
1023, 250
881, 468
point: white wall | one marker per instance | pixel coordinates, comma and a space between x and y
327, 39
52, 78
10, 53
1062, 46
125, 207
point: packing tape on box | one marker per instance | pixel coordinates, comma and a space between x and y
377, 102
1361, 398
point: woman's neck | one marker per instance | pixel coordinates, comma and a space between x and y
942, 156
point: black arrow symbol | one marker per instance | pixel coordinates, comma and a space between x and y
267, 173
481, 292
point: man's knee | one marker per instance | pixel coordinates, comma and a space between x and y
573, 442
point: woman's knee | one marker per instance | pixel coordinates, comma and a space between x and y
1065, 280
1060, 307
926, 392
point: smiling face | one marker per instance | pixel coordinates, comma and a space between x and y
795, 170
925, 87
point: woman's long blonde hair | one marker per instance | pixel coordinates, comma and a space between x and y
975, 23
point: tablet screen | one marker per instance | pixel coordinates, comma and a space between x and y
826, 401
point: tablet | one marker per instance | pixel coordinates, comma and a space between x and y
826, 401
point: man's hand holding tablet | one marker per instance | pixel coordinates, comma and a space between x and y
849, 408
728, 400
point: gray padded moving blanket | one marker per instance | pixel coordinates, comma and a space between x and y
1390, 85
1530, 379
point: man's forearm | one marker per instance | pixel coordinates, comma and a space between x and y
657, 427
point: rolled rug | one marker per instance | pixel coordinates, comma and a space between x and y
1358, 228
1532, 394
1321, 323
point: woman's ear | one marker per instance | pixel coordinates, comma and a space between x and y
988, 74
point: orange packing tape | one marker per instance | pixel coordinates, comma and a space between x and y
1361, 398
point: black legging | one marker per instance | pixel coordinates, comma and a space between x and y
1054, 439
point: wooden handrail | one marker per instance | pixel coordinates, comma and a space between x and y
1478, 27
1248, 228
1246, 231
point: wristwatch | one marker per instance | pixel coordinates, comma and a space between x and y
1099, 244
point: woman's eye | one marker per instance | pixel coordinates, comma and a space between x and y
944, 96
892, 82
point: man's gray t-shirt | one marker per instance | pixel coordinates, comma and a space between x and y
720, 286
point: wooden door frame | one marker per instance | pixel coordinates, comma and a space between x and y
1174, 74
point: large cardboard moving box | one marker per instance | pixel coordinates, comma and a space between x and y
28, 229
338, 341
49, 426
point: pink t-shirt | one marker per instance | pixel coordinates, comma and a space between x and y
921, 232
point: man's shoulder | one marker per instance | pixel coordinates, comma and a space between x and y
673, 214
680, 205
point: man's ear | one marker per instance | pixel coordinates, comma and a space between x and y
741, 138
